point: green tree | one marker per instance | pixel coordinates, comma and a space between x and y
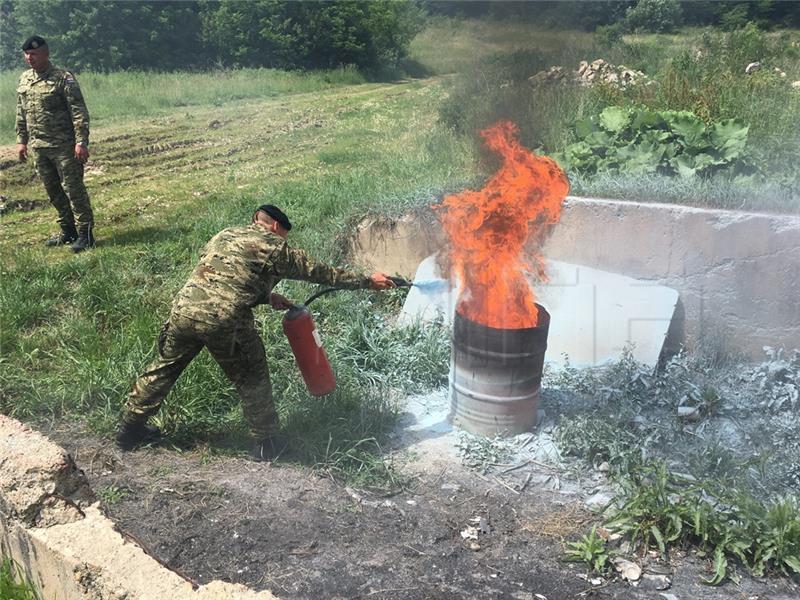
10, 42
285, 34
660, 16
107, 35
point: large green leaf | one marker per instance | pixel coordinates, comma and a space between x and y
615, 118
600, 139
793, 562
586, 126
688, 127
730, 138
684, 165
728, 132
622, 139
703, 161
641, 157
720, 567
647, 119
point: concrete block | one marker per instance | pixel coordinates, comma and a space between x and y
594, 314
67, 547
737, 273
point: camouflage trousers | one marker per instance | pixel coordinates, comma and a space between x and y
62, 175
236, 347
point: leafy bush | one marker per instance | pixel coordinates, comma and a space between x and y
667, 142
311, 34
660, 508
735, 16
591, 549
659, 16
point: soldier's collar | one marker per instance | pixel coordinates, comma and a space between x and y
44, 74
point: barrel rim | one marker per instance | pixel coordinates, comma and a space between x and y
542, 324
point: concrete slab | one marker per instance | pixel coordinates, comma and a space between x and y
52, 527
595, 314
738, 274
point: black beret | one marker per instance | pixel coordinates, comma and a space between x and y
277, 214
34, 42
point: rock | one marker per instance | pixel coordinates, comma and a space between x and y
655, 582
627, 569
689, 413
752, 68
669, 596
796, 85
599, 501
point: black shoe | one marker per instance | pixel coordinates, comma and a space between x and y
132, 435
67, 236
85, 239
268, 448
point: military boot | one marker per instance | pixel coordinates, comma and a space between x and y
85, 239
68, 235
269, 448
132, 435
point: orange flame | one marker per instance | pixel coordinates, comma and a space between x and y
488, 230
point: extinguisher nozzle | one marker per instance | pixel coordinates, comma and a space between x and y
401, 282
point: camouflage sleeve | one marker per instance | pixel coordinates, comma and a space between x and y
22, 122
77, 109
291, 263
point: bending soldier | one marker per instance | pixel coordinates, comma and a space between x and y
53, 124
237, 271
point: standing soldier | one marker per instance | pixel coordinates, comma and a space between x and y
53, 120
237, 271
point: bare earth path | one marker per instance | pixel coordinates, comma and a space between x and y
303, 536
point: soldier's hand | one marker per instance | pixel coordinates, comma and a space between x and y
81, 153
380, 281
22, 152
279, 302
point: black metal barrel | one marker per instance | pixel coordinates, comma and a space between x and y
496, 376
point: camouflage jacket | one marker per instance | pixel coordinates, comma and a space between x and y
51, 111
238, 269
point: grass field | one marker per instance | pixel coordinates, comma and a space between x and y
77, 329
134, 94
176, 157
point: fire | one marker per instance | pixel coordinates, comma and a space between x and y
488, 230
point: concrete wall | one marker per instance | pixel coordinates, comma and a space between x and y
738, 274
51, 525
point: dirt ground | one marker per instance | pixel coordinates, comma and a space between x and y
303, 536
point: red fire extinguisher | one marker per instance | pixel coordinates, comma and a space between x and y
308, 351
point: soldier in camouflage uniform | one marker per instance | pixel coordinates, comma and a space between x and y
237, 271
52, 120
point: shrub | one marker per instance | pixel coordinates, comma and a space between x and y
668, 142
659, 16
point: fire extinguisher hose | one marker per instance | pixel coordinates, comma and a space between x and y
398, 281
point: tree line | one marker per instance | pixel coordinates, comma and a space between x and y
640, 14
373, 35
108, 35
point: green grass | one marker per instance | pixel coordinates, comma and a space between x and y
696, 70
177, 157
125, 95
14, 585
681, 483
78, 329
